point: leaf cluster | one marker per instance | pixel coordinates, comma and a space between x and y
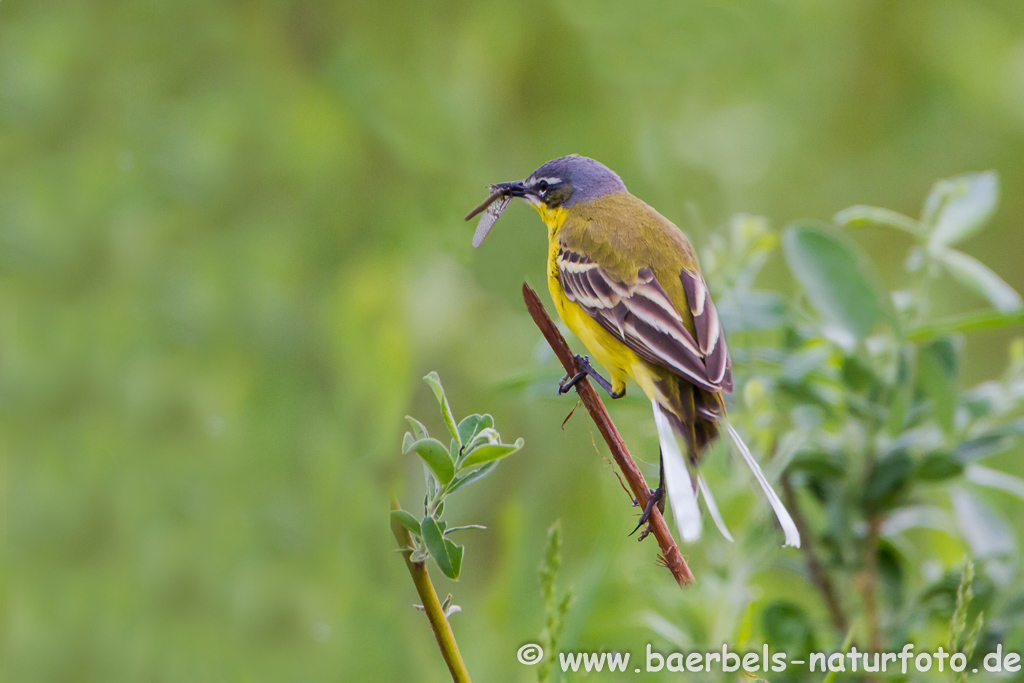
472, 453
855, 388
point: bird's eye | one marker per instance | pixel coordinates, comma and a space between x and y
542, 186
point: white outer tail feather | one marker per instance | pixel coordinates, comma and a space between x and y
709, 500
678, 484
788, 526
683, 498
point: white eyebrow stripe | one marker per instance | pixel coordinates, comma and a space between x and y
550, 181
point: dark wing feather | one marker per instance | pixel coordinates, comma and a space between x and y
710, 336
643, 317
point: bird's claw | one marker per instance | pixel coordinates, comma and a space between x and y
569, 381
657, 498
583, 363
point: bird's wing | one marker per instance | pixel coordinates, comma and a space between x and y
710, 337
642, 315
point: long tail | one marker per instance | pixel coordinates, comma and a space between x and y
706, 416
678, 483
709, 500
788, 526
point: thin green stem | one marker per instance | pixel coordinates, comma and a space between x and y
831, 676
867, 581
869, 585
431, 604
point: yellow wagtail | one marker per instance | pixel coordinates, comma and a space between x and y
626, 281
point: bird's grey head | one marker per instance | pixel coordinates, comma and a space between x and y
566, 181
562, 182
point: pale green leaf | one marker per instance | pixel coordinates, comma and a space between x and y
488, 435
985, 531
406, 520
1003, 481
977, 276
472, 425
873, 215
475, 475
463, 528
959, 207
446, 410
489, 452
436, 455
418, 430
972, 322
837, 277
446, 554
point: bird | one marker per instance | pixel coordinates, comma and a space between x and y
627, 282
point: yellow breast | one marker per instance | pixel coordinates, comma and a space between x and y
606, 349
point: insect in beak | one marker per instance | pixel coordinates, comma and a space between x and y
493, 206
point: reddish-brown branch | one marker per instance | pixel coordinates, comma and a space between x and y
669, 550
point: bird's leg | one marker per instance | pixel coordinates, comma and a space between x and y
586, 368
657, 498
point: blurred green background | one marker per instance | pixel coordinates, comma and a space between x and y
231, 243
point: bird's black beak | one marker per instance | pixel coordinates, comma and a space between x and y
515, 188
